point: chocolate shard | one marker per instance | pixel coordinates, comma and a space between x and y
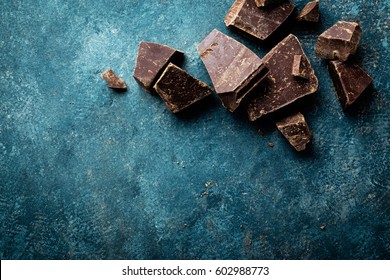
300, 67
296, 131
179, 89
113, 81
349, 80
281, 88
233, 68
151, 62
310, 13
340, 41
267, 3
260, 23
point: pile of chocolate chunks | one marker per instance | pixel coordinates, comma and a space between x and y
262, 86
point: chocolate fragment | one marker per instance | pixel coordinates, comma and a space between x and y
113, 81
349, 80
151, 62
233, 68
310, 13
281, 88
179, 89
260, 23
267, 3
300, 67
296, 131
340, 41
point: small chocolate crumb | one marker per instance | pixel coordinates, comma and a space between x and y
185, 225
113, 81
271, 145
322, 227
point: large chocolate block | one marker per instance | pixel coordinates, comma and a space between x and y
233, 68
260, 23
113, 81
151, 62
340, 41
349, 80
281, 87
310, 13
179, 89
296, 131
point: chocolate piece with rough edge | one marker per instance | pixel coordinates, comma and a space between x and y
151, 62
281, 88
349, 80
179, 89
310, 13
260, 23
233, 68
300, 67
296, 131
340, 41
267, 3
113, 81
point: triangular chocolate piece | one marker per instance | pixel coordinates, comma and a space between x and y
113, 81
151, 62
179, 89
233, 68
349, 80
296, 131
310, 13
281, 88
340, 41
260, 23
267, 3
300, 67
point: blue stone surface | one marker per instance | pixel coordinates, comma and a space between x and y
87, 173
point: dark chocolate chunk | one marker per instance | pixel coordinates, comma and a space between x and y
151, 62
300, 67
267, 3
349, 80
260, 23
340, 41
179, 89
281, 88
234, 69
113, 81
310, 13
296, 131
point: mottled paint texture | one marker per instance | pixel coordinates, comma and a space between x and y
86, 173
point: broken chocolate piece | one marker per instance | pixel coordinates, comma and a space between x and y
113, 81
179, 89
234, 69
151, 62
310, 13
349, 80
267, 3
300, 67
340, 41
281, 88
296, 131
260, 23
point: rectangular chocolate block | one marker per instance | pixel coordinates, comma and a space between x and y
295, 130
281, 87
340, 41
233, 68
258, 22
349, 80
179, 89
151, 61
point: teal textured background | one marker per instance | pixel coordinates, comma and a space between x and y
86, 173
